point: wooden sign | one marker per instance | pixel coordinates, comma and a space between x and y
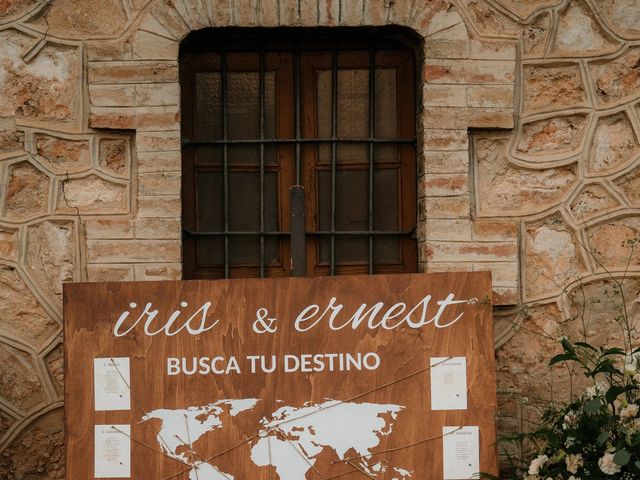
386, 377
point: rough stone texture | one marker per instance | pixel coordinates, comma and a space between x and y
610, 243
511, 190
38, 453
553, 88
592, 201
113, 156
552, 258
567, 173
8, 244
630, 186
63, 155
623, 16
11, 141
23, 318
19, 381
85, 18
578, 33
92, 194
10, 8
56, 66
50, 256
614, 144
27, 192
558, 135
55, 365
617, 79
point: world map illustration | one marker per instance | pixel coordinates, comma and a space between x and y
290, 440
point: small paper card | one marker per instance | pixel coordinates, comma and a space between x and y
110, 383
461, 451
448, 383
112, 451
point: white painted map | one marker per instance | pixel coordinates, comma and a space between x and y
291, 439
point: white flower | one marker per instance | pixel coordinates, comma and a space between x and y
537, 463
594, 390
574, 462
607, 465
570, 420
630, 411
569, 442
631, 365
573, 478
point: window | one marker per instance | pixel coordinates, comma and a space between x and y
331, 110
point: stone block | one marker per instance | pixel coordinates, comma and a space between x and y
506, 189
110, 227
448, 207
614, 145
494, 72
447, 49
45, 88
149, 46
157, 141
159, 207
446, 162
92, 195
591, 202
63, 155
473, 251
20, 384
456, 230
150, 162
579, 33
437, 139
110, 272
85, 18
114, 156
560, 136
23, 318
165, 183
160, 228
443, 185
133, 251
550, 88
444, 95
611, 243
135, 118
552, 258
27, 192
459, 118
492, 50
158, 271
132, 72
51, 256
503, 274
495, 230
8, 244
490, 96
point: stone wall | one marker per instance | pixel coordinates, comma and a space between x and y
528, 167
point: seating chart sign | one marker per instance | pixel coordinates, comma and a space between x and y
389, 377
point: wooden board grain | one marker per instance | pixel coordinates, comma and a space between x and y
402, 378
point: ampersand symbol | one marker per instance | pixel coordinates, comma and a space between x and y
263, 324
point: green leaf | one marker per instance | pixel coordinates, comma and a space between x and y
593, 405
636, 440
613, 351
586, 345
563, 357
566, 344
637, 464
614, 391
602, 438
621, 457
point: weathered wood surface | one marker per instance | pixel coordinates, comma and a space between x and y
91, 311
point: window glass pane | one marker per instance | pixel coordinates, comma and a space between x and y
385, 217
210, 252
243, 105
386, 116
208, 106
209, 201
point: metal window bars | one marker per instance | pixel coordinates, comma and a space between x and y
298, 231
